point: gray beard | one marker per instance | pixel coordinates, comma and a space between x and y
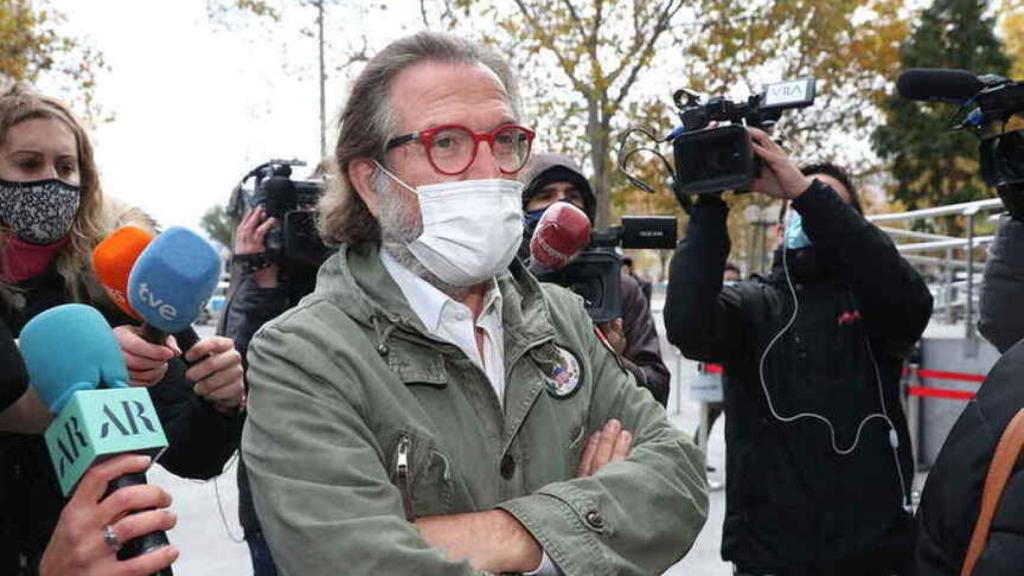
400, 224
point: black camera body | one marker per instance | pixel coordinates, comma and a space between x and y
294, 240
712, 160
986, 101
1002, 153
594, 274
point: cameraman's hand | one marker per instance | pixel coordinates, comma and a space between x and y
780, 177
249, 239
615, 334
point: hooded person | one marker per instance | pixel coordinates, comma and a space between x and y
950, 502
552, 178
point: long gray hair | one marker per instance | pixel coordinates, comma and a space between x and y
367, 123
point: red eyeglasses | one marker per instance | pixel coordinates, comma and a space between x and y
451, 148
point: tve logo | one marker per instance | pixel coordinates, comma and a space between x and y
166, 311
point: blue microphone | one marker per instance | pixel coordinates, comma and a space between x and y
170, 283
75, 365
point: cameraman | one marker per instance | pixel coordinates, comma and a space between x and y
262, 288
951, 499
555, 178
826, 334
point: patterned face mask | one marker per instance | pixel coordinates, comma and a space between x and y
39, 212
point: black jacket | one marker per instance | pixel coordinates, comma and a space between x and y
952, 495
794, 506
642, 355
248, 308
200, 439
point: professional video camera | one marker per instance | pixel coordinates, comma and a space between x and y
294, 240
709, 160
987, 103
595, 272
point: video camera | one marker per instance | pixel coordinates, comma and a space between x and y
294, 240
984, 101
594, 274
710, 160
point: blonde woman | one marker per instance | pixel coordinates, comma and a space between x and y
52, 214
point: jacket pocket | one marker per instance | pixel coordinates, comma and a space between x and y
423, 475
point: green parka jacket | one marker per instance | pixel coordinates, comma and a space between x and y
359, 421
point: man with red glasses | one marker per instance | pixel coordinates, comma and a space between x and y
430, 408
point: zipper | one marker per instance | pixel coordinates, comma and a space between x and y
402, 476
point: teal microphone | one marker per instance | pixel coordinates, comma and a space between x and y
75, 365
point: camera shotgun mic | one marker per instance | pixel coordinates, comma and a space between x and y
938, 85
562, 232
97, 414
170, 283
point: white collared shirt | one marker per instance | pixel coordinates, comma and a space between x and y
452, 321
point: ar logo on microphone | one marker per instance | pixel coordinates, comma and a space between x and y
131, 420
165, 310
70, 444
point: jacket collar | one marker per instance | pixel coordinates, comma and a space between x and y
356, 280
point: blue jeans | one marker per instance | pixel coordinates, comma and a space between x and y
262, 561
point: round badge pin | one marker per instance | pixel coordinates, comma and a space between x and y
563, 378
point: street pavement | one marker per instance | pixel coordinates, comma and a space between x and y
209, 536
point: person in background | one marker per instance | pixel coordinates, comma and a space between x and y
552, 178
950, 501
645, 285
52, 214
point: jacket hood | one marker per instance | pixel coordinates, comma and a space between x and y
355, 280
547, 168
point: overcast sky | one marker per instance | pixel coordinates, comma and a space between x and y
196, 105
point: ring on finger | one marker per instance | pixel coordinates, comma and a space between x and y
111, 539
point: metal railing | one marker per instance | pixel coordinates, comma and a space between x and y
920, 248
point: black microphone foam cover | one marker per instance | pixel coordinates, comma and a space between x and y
938, 85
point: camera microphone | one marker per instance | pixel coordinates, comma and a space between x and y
562, 232
938, 85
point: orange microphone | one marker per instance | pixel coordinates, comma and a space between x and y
113, 260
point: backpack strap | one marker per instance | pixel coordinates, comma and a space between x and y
999, 470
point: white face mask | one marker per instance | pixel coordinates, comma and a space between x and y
471, 228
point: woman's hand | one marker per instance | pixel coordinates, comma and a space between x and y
79, 545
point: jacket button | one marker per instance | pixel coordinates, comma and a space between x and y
508, 466
383, 349
594, 519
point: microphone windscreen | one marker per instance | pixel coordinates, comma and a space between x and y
173, 278
562, 232
70, 348
113, 260
938, 85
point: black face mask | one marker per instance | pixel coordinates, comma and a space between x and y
39, 212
